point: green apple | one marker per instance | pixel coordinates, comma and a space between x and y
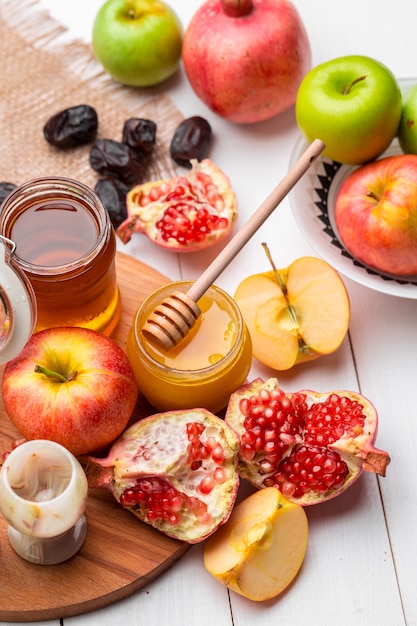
138, 42
353, 104
407, 130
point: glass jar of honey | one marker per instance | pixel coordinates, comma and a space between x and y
211, 362
65, 245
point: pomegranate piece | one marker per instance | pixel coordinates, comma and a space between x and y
311, 446
176, 471
185, 213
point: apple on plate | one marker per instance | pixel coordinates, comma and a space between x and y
353, 104
260, 549
407, 130
376, 214
295, 314
138, 42
71, 385
245, 58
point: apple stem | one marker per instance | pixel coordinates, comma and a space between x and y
280, 282
348, 89
237, 8
40, 369
277, 274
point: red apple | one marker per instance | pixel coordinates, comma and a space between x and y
376, 214
245, 59
72, 385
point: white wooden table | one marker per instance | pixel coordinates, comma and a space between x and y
362, 554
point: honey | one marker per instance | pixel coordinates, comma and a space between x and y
202, 371
37, 230
65, 246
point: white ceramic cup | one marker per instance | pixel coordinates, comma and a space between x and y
43, 495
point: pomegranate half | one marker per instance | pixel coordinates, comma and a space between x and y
184, 213
176, 471
311, 446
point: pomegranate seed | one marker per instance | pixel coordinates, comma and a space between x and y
211, 443
265, 397
248, 438
271, 434
206, 485
329, 465
247, 451
204, 452
261, 421
249, 423
286, 404
259, 444
219, 475
266, 467
218, 454
328, 480
270, 447
128, 497
288, 489
244, 406
154, 194
194, 453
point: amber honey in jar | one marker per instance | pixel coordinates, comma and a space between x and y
66, 246
211, 362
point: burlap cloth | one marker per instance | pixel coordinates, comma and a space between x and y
39, 76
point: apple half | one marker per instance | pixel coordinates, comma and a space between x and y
295, 314
260, 549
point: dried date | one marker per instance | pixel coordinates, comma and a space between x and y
139, 134
5, 190
191, 140
112, 192
114, 158
72, 127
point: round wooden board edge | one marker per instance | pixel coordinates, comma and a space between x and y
132, 293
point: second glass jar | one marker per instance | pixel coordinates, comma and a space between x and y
66, 247
206, 367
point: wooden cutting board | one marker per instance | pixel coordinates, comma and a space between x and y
120, 554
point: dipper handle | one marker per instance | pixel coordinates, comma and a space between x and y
209, 276
176, 315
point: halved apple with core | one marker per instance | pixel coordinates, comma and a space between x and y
295, 314
260, 549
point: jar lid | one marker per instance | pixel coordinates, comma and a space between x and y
17, 304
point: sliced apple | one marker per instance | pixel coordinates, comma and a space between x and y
294, 314
260, 549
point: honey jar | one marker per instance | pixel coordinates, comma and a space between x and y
211, 362
65, 245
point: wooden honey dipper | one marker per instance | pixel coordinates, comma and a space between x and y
172, 319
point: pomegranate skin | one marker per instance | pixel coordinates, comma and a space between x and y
311, 446
176, 471
246, 68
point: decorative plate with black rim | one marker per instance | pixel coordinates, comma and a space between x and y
312, 202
